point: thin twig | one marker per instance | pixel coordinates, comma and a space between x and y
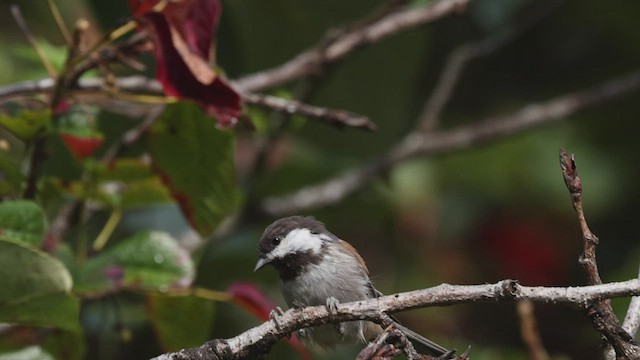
529, 331
22, 24
345, 43
599, 312
257, 341
418, 143
340, 118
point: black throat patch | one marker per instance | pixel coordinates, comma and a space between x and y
292, 265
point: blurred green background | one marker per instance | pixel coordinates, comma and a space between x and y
475, 216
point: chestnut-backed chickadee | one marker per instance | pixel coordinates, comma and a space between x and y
317, 268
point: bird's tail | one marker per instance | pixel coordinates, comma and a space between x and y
422, 344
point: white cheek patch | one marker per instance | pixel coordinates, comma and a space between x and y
298, 240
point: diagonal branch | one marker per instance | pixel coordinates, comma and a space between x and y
258, 340
477, 133
335, 47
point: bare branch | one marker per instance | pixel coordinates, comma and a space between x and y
463, 137
334, 48
599, 312
259, 340
332, 116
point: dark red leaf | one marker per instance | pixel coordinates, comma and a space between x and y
182, 40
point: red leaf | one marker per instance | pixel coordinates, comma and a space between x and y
251, 298
81, 147
182, 39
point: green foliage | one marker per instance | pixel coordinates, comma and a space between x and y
195, 159
26, 123
11, 177
148, 260
137, 185
22, 221
180, 321
33, 283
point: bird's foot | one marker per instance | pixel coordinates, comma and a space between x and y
332, 308
275, 316
332, 305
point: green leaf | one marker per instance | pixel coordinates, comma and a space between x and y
180, 321
195, 159
22, 221
144, 193
125, 183
33, 284
10, 176
148, 260
26, 124
140, 185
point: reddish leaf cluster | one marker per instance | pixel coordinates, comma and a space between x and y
182, 33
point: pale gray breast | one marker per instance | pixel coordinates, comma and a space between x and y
338, 276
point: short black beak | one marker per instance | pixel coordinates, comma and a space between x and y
261, 263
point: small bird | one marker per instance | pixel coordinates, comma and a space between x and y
318, 268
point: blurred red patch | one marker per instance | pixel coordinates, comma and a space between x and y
248, 296
81, 147
531, 250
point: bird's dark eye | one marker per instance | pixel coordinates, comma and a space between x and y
276, 240
314, 232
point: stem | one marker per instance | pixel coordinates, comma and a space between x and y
108, 229
57, 16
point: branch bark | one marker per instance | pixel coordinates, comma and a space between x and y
257, 341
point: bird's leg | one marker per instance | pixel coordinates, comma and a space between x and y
275, 315
332, 308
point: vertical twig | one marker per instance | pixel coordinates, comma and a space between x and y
57, 16
599, 312
529, 331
